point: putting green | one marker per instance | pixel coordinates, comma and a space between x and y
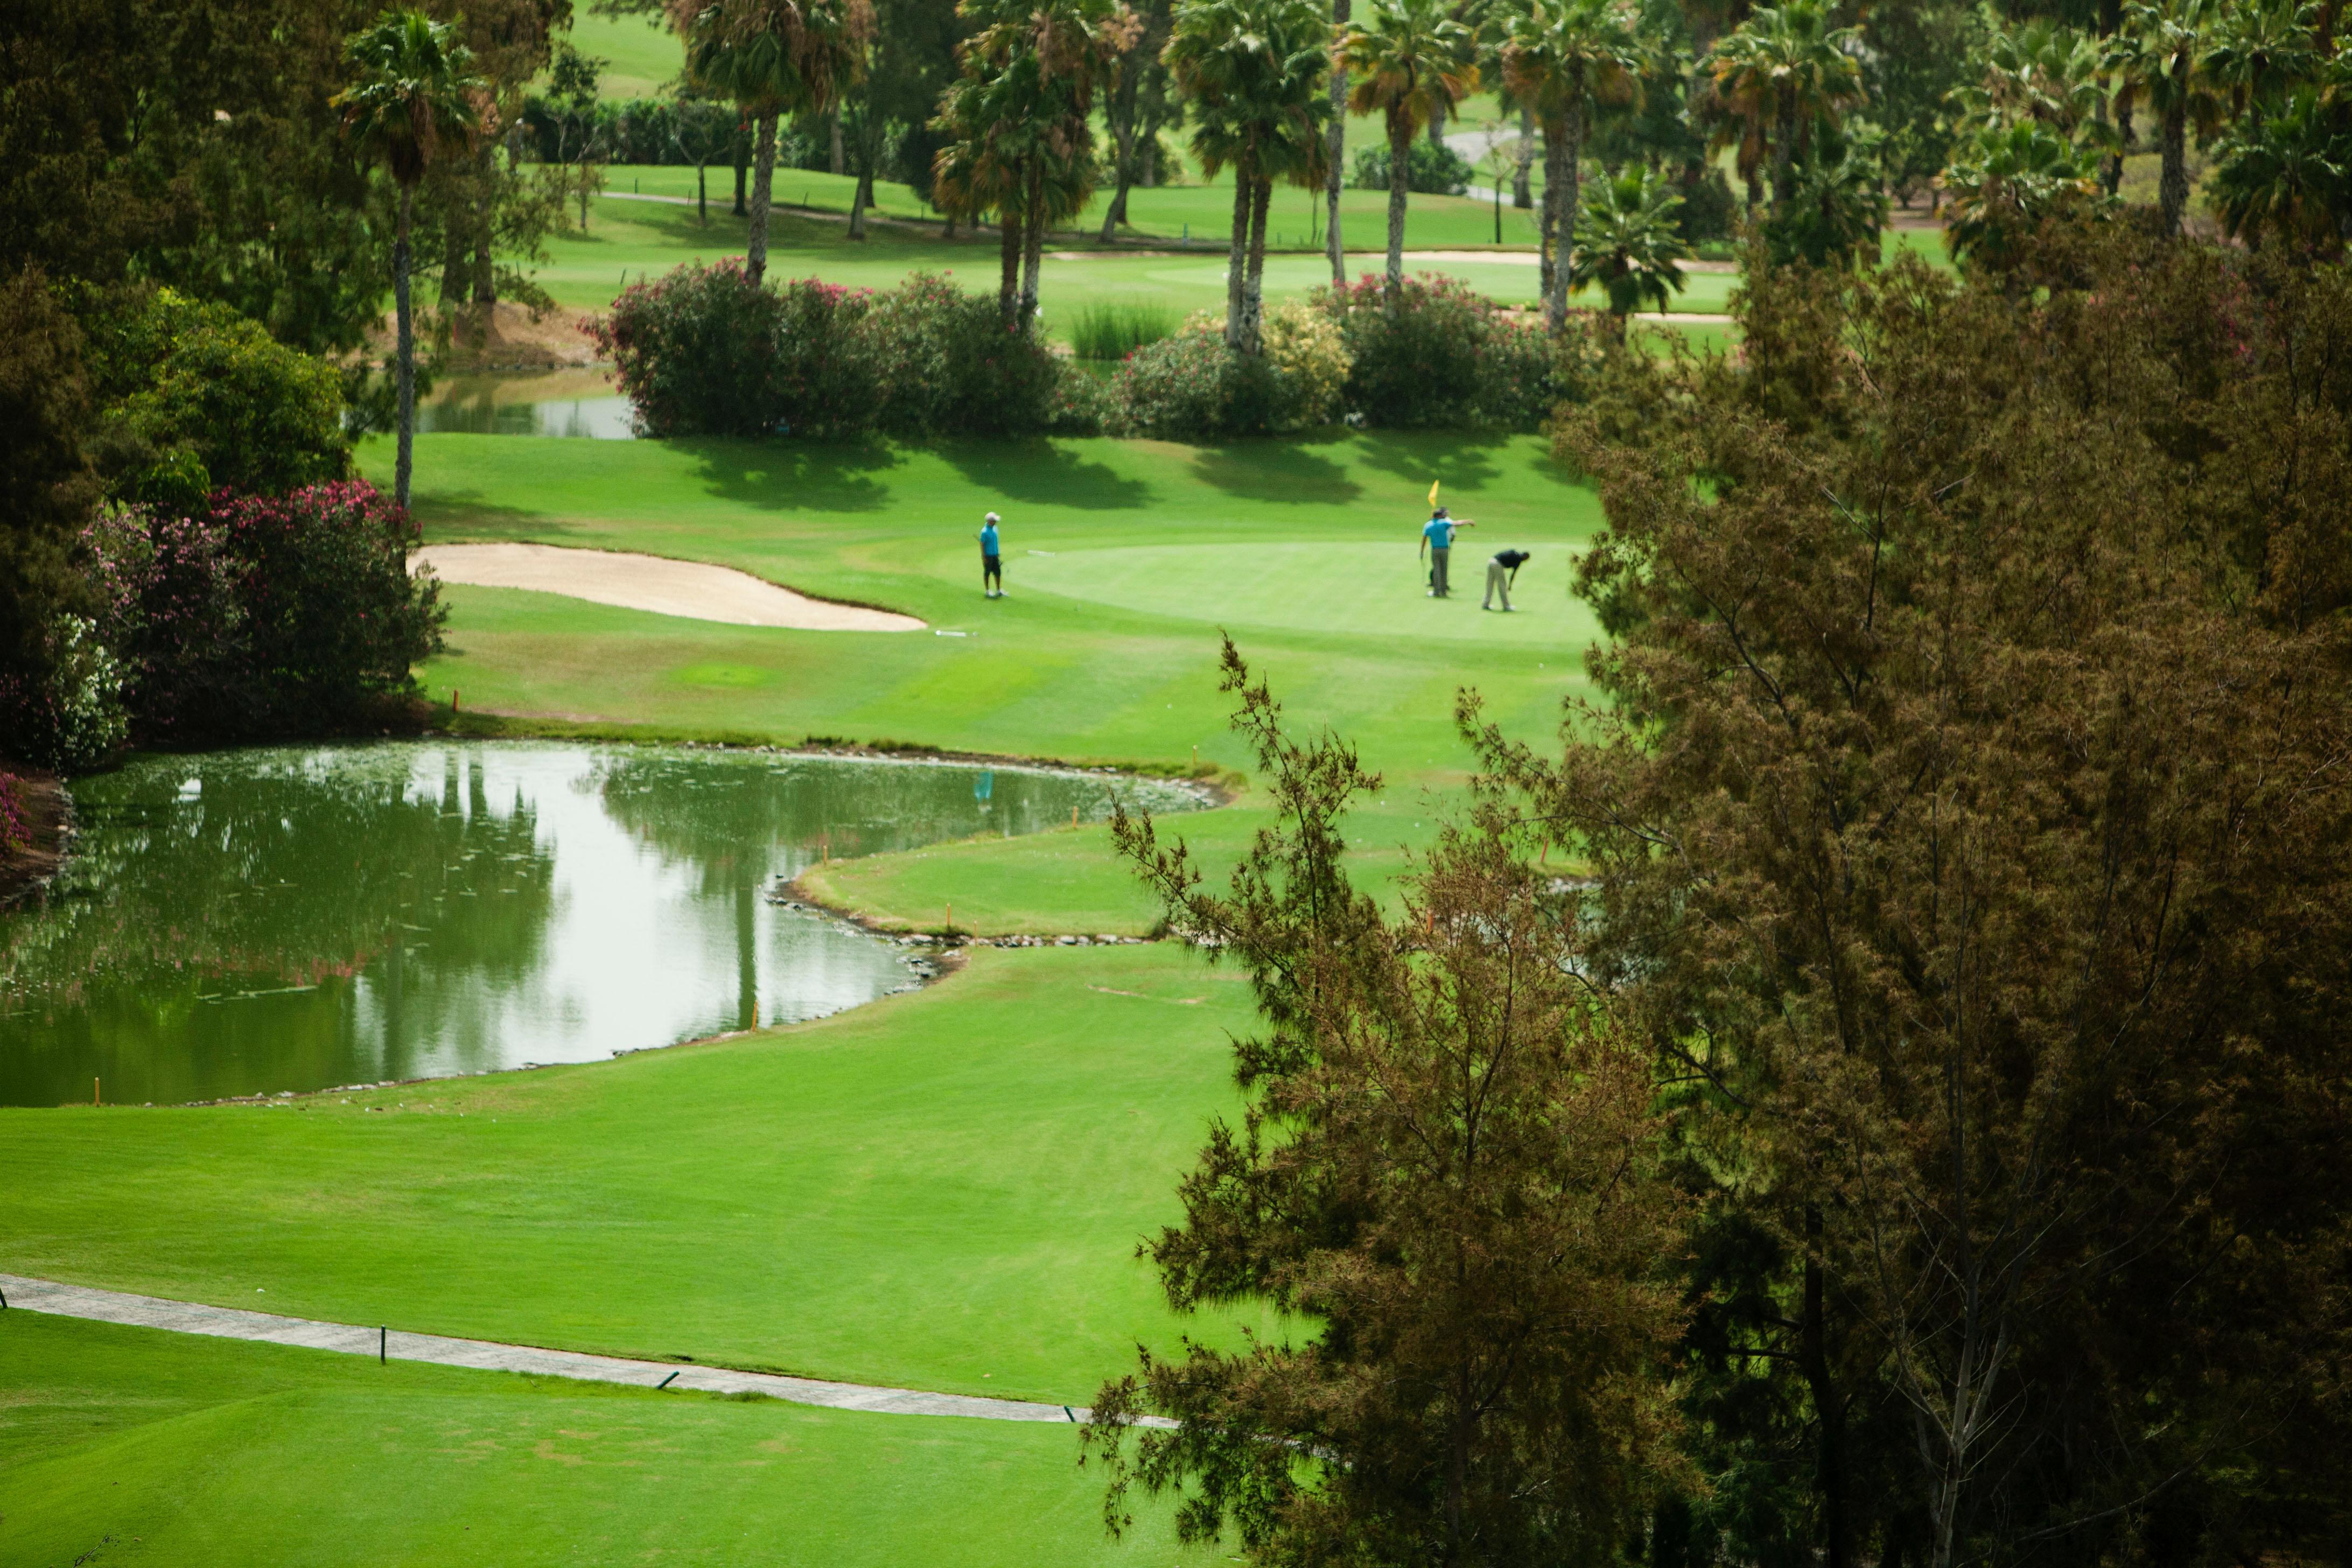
1358, 590
134, 1445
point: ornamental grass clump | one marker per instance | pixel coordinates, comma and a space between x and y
1114, 331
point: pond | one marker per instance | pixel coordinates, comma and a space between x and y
286, 918
580, 403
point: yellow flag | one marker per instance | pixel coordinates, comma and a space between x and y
1433, 492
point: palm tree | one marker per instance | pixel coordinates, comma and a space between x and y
1336, 148
1409, 60
1628, 242
1038, 63
2162, 57
409, 91
2003, 183
2262, 51
1559, 58
1254, 72
2289, 175
771, 57
1775, 77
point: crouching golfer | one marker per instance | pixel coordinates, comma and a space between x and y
1437, 539
992, 560
1502, 571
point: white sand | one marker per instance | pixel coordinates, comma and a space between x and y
687, 588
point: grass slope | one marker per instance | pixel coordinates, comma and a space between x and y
942, 1190
132, 1446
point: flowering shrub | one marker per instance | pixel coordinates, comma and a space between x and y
66, 713
704, 350
16, 829
267, 614
1191, 387
1444, 356
945, 366
1306, 346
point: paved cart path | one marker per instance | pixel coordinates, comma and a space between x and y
350, 1339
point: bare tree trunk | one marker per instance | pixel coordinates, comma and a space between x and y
403, 353
1338, 134
1829, 1408
2172, 188
1523, 188
1238, 251
1117, 212
859, 203
763, 181
840, 165
702, 193
1033, 245
1400, 158
1253, 339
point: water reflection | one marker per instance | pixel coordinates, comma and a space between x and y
577, 403
249, 921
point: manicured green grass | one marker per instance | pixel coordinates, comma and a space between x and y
640, 57
942, 1190
1123, 559
132, 1446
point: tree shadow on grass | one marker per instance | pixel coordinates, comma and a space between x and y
448, 514
784, 475
1460, 460
1044, 473
1286, 469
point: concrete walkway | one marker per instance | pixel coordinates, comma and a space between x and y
230, 1323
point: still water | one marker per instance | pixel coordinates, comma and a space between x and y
581, 403
243, 923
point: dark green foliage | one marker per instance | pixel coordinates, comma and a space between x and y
1443, 357
704, 350
1193, 386
198, 397
1437, 171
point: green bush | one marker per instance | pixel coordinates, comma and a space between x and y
197, 397
1443, 357
67, 714
1114, 331
1431, 171
1191, 387
943, 365
704, 351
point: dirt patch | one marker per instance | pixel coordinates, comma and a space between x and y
509, 339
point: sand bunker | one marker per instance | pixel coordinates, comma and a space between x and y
687, 588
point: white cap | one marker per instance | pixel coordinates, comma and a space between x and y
991, 517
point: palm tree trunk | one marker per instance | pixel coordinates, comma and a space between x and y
1784, 148
1033, 243
763, 185
840, 166
1400, 160
859, 202
1338, 150
1254, 291
1522, 189
2172, 188
1238, 251
1008, 278
1564, 151
403, 353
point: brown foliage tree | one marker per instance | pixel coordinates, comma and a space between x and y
1444, 1176
1971, 805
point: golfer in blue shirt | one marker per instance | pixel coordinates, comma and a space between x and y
1437, 539
992, 560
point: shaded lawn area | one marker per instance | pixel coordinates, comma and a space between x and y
942, 1190
128, 1446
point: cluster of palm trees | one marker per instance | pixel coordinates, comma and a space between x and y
2261, 84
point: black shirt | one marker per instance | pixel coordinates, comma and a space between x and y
1510, 560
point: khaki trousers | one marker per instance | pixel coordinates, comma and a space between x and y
1498, 581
